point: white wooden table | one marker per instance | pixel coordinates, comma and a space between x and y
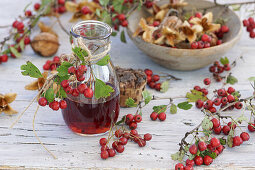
20, 149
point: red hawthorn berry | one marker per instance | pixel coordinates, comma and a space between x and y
149, 79
216, 122
224, 100
226, 129
200, 44
104, 154
148, 4
81, 87
237, 141
194, 45
148, 72
28, 13
121, 17
212, 69
61, 2
156, 23
207, 160
210, 148
155, 78
53, 66
20, 26
124, 23
133, 125
207, 81
231, 90
42, 101
152, 84
158, 86
217, 130
198, 160
141, 143
62, 104
197, 88
227, 67
69, 90
82, 69
104, 148
190, 162
126, 135
231, 98
65, 83
75, 92
118, 133
220, 148
251, 20
37, 6
138, 118
199, 104
154, 116
103, 141
111, 152
213, 110
179, 166
251, 127
147, 137
4, 58
114, 144
198, 15
55, 105
26, 40
133, 132
120, 148
206, 38
15, 23
246, 23
219, 42
88, 93
252, 34
245, 136
207, 45
238, 105
129, 118
208, 104
215, 142
193, 149
217, 101
224, 29
202, 146
85, 10
123, 141
205, 91
162, 116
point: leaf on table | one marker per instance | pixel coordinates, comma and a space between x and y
123, 119
102, 90
195, 95
114, 34
207, 123
178, 156
5, 100
130, 102
15, 52
164, 86
185, 105
231, 79
36, 85
211, 154
224, 60
160, 108
146, 96
230, 138
104, 61
31, 70
123, 37
173, 109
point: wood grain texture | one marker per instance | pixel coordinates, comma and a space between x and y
20, 149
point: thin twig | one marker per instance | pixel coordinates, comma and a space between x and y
61, 25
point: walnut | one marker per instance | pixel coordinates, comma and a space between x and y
45, 44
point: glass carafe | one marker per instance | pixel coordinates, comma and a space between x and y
92, 116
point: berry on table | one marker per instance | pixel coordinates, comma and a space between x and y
85, 10
147, 137
193, 149
138, 118
245, 136
88, 93
251, 127
120, 148
216, 122
129, 118
121, 17
154, 116
197, 88
199, 104
238, 105
205, 91
198, 160
179, 166
231, 98
207, 81
237, 141
231, 90
158, 86
207, 160
155, 78
217, 130
55, 105
82, 87
123, 141
104, 154
162, 116
217, 101
37, 6
133, 125
226, 129
148, 72
118, 133
194, 45
215, 142
202, 146
111, 152
190, 162
42, 101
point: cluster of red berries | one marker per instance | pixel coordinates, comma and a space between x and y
222, 99
82, 88
250, 25
214, 145
149, 3
119, 20
55, 105
152, 79
223, 30
58, 8
161, 116
217, 69
122, 137
52, 65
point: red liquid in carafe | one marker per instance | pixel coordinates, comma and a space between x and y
89, 118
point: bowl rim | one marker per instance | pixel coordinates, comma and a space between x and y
227, 43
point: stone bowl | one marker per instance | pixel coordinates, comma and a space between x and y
188, 59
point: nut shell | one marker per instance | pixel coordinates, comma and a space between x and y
45, 44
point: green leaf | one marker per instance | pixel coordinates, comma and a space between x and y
62, 92
236, 94
102, 90
160, 108
27, 6
31, 70
146, 96
195, 95
49, 95
191, 157
34, 21
173, 109
130, 102
184, 105
230, 138
251, 79
211, 154
223, 141
114, 34
104, 61
121, 121
231, 80
178, 156
164, 86
123, 37
63, 69
46, 4
224, 60
15, 52
104, 2
22, 44
207, 123
80, 53
118, 5
106, 17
